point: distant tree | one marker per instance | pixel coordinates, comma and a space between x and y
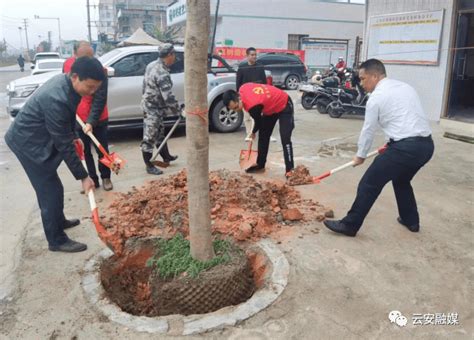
45, 46
3, 48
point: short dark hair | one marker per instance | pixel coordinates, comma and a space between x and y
88, 68
229, 96
250, 49
373, 66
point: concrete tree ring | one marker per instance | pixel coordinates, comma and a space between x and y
275, 283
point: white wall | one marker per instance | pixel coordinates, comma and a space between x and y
429, 81
250, 23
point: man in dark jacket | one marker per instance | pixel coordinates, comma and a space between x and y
250, 71
42, 137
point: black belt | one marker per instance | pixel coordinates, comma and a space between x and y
410, 139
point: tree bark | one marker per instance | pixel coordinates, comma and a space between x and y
197, 128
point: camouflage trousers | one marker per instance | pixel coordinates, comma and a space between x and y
153, 131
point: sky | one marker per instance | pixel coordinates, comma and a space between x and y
72, 14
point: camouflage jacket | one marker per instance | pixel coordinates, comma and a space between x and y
157, 95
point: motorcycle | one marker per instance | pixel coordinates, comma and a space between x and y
348, 101
315, 96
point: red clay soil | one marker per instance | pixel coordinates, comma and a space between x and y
242, 207
300, 176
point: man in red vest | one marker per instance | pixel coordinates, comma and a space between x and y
93, 112
266, 105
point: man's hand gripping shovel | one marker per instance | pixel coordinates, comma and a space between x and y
113, 161
170, 133
317, 179
113, 241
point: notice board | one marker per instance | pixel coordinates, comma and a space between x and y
406, 38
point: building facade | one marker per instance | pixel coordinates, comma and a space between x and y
441, 67
324, 29
118, 19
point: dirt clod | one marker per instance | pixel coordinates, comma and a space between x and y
242, 207
329, 213
292, 214
300, 176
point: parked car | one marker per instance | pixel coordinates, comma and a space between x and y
45, 55
126, 67
47, 65
287, 69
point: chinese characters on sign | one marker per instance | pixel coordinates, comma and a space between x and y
238, 53
408, 38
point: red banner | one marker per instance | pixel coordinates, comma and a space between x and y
238, 53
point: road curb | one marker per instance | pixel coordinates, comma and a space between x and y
275, 283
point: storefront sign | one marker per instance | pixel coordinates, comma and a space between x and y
238, 53
176, 13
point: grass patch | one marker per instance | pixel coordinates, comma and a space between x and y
174, 257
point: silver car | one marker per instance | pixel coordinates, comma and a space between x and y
126, 67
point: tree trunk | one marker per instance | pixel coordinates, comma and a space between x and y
197, 129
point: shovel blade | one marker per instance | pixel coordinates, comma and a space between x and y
247, 158
114, 162
161, 164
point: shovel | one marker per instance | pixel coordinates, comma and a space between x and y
153, 159
317, 179
113, 161
111, 241
248, 157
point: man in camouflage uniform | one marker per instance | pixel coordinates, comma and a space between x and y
157, 102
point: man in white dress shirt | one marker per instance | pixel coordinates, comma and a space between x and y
396, 108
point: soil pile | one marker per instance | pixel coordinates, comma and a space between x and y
242, 207
300, 176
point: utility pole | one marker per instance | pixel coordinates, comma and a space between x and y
59, 30
26, 35
21, 40
49, 40
89, 21
215, 28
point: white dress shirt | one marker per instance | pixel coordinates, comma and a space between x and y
396, 108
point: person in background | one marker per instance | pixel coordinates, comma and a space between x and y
158, 101
396, 108
94, 113
42, 137
249, 71
21, 63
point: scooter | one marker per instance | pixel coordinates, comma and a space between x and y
348, 101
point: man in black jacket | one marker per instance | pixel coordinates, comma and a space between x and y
42, 136
250, 71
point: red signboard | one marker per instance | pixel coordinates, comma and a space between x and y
238, 53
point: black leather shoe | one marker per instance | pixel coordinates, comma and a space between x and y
71, 223
339, 227
170, 158
69, 246
255, 169
153, 170
413, 228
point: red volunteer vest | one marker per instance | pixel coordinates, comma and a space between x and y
273, 100
84, 107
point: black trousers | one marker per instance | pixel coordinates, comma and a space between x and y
287, 124
50, 195
398, 164
100, 132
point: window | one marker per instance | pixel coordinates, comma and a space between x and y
134, 65
294, 41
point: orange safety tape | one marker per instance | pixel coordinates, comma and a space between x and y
200, 113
